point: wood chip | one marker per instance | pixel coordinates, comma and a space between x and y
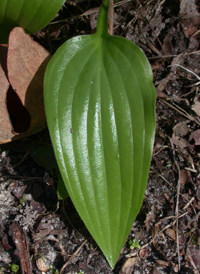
21, 242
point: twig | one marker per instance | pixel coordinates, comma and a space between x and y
177, 65
194, 219
22, 160
166, 181
22, 178
72, 257
192, 262
174, 55
177, 204
165, 228
197, 76
173, 223
159, 8
181, 111
191, 169
66, 216
110, 16
88, 12
161, 149
189, 203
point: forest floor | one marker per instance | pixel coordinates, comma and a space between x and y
165, 237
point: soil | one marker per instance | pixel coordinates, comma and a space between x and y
38, 233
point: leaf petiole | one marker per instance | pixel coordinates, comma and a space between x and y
102, 22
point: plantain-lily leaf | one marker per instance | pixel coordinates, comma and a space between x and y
100, 107
32, 15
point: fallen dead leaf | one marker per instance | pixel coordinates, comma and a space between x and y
5, 124
183, 176
181, 129
196, 137
26, 63
128, 266
149, 218
178, 141
19, 115
171, 76
193, 254
160, 94
155, 271
22, 66
196, 105
163, 263
171, 233
167, 47
190, 24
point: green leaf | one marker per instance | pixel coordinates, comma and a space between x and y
61, 189
100, 106
14, 268
41, 150
134, 243
30, 15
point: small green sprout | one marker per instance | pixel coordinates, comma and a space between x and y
22, 200
52, 270
134, 243
14, 268
42, 257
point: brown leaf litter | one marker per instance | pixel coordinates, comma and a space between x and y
21, 78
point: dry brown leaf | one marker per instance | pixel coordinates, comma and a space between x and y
196, 105
21, 104
167, 47
163, 263
196, 108
149, 217
155, 271
160, 94
171, 233
193, 254
26, 63
171, 76
7, 93
183, 176
128, 266
178, 141
189, 10
181, 129
196, 136
5, 125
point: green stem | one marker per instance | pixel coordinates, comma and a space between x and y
102, 22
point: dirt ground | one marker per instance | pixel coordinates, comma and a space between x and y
40, 234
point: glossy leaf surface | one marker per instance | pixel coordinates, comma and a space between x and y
30, 15
100, 107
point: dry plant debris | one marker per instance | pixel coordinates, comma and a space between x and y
22, 67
